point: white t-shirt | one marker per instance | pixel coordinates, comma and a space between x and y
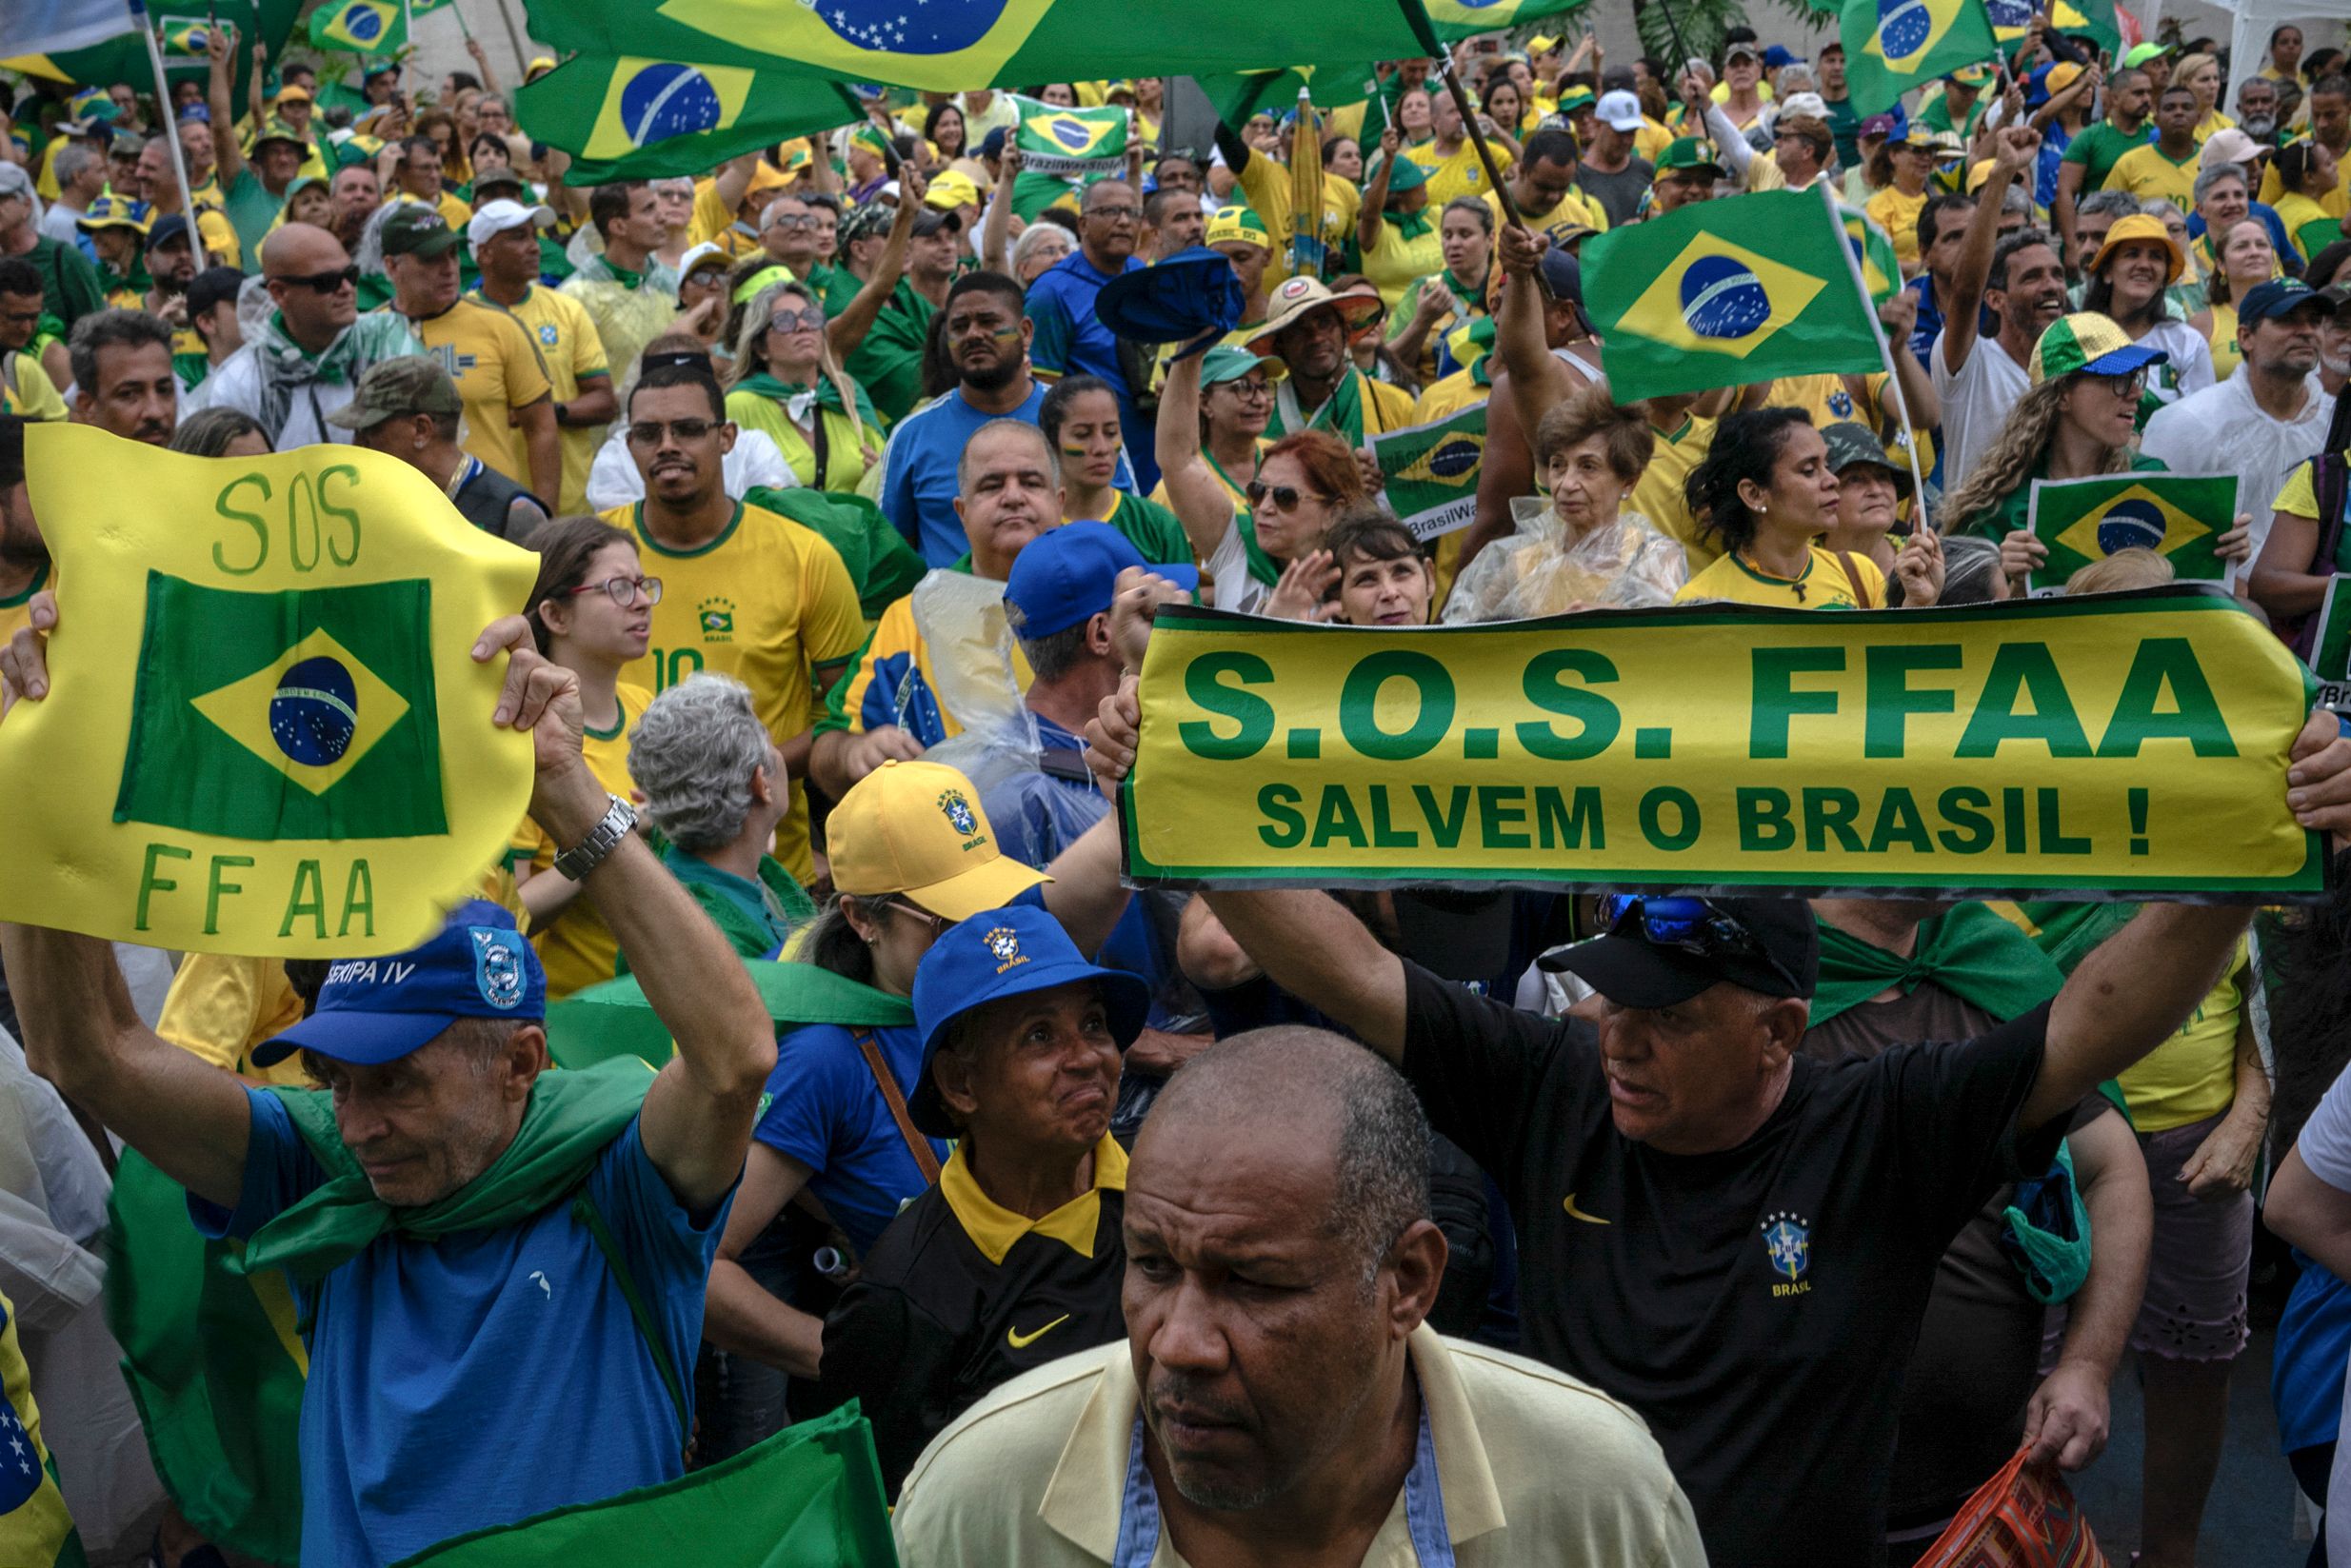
2222, 429
2326, 1145
2188, 371
1976, 402
613, 479
1235, 588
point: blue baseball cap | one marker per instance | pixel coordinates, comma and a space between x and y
1063, 576
2277, 297
1001, 953
379, 1009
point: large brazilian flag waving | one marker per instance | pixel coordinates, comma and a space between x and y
265, 734
1892, 46
671, 86
181, 22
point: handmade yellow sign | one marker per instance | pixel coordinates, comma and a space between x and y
2128, 744
264, 733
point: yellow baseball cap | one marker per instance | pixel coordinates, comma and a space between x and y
950, 189
1237, 223
917, 830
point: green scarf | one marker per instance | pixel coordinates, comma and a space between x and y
572, 1118
1341, 414
1967, 950
1411, 226
1261, 565
786, 392
615, 1019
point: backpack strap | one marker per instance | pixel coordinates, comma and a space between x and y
884, 1081
584, 1210
1853, 575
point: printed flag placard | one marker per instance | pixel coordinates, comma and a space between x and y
2330, 650
265, 734
2178, 516
1892, 46
1432, 471
1726, 292
1064, 150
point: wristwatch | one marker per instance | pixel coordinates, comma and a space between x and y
602, 839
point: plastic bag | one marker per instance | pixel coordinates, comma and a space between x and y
1538, 570
2026, 1517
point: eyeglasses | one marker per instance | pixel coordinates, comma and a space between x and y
1249, 392
649, 432
324, 283
2124, 387
809, 320
622, 590
937, 923
1115, 212
1284, 498
1689, 925
791, 220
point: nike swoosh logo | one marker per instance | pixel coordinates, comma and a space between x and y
1574, 1212
1018, 1340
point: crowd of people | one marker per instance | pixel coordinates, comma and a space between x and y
1231, 1227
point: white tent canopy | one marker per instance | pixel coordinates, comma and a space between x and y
2250, 24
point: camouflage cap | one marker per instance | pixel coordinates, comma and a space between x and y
394, 389
416, 229
1850, 444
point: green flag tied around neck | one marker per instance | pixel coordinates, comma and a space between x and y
1966, 949
1726, 293
601, 1022
810, 1497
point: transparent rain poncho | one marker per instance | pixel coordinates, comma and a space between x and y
1543, 570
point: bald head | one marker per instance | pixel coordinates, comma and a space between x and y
1344, 1114
310, 281
300, 250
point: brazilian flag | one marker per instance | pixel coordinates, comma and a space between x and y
1467, 18
305, 714
2330, 650
635, 118
1892, 46
366, 27
2091, 19
2178, 516
1873, 252
1681, 304
1431, 472
1239, 94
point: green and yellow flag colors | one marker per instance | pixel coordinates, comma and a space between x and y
1432, 471
810, 1497
2090, 19
1726, 292
1064, 150
1892, 46
2130, 745
1239, 94
656, 65
266, 733
1467, 18
2330, 646
2178, 516
368, 26
1873, 252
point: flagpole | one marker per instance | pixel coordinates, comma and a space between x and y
408, 32
171, 133
1886, 351
1417, 16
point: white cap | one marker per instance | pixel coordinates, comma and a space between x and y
698, 254
1805, 102
498, 216
1620, 110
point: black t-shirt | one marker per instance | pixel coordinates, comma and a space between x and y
1757, 1305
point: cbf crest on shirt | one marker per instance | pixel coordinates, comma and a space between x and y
1787, 1238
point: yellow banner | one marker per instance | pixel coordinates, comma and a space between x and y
264, 733
2129, 744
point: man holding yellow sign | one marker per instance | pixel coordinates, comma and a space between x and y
1696, 1202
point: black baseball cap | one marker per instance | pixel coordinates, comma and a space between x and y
1659, 951
212, 286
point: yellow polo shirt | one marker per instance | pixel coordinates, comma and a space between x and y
1036, 1474
577, 949
497, 370
219, 1008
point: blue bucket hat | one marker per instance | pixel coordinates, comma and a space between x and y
376, 1010
1001, 953
1177, 299
1067, 575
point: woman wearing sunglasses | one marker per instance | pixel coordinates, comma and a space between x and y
1304, 482
592, 612
789, 385
2078, 421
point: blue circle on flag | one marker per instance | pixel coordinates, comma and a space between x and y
937, 27
1075, 134
1904, 27
2131, 524
315, 713
1722, 298
362, 23
2009, 13
668, 100
1455, 457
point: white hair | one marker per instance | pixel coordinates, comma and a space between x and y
693, 754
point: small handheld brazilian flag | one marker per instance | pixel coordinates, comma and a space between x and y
2330, 645
1431, 472
2178, 516
1892, 46
1681, 304
368, 26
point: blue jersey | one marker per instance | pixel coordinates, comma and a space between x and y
825, 1110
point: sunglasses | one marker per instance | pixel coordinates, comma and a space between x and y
1284, 498
324, 283
808, 320
1689, 925
794, 221
649, 432
622, 590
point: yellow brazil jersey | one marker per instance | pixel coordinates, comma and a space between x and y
450, 205
16, 608
2147, 173
767, 601
1265, 185
712, 224
1651, 140
1575, 210
496, 367
1658, 495
219, 1008
1824, 584
1459, 175
2193, 1075
1897, 213
2336, 203
579, 949
571, 354
35, 1526
894, 681
2227, 353
26, 390
1829, 400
